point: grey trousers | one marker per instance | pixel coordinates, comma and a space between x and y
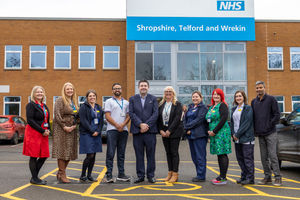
268, 154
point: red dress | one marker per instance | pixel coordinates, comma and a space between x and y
35, 144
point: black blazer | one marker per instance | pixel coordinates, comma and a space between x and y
175, 125
35, 116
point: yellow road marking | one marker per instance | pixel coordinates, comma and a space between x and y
95, 184
278, 187
193, 197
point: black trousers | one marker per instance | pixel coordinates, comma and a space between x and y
245, 157
171, 146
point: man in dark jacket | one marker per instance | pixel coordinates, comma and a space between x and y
266, 116
143, 111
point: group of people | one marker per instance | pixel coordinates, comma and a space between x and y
198, 122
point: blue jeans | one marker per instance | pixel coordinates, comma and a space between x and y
116, 140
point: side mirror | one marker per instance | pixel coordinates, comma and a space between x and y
284, 121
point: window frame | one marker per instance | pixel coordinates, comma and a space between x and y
283, 101
103, 102
5, 57
4, 103
45, 52
291, 54
282, 61
79, 53
81, 102
70, 56
293, 102
107, 52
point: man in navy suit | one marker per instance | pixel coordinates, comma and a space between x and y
143, 111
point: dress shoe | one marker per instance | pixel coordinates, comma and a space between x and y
247, 182
196, 179
91, 179
83, 179
239, 181
138, 180
37, 181
151, 180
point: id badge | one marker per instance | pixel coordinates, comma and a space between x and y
166, 123
122, 114
96, 121
208, 120
46, 125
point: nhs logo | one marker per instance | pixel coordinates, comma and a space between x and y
231, 5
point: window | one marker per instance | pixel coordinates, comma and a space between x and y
13, 57
235, 64
153, 61
62, 57
81, 100
295, 102
87, 57
280, 101
275, 58
295, 58
111, 57
104, 98
12, 106
38, 57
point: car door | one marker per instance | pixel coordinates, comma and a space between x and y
22, 123
294, 120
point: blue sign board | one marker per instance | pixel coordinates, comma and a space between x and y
192, 28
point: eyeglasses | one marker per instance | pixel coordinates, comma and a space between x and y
117, 88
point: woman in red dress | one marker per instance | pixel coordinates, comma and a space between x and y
36, 144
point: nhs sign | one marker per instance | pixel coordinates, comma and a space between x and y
230, 5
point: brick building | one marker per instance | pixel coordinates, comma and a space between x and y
95, 54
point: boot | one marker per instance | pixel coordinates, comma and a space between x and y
60, 170
62, 167
174, 177
169, 176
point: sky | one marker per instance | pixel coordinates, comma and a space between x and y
264, 9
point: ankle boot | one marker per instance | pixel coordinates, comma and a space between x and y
174, 177
169, 176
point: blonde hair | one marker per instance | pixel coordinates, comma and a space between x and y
164, 97
73, 98
34, 89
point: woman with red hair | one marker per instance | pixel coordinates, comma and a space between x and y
219, 132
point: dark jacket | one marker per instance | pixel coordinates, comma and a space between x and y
266, 115
245, 132
86, 117
196, 123
35, 116
175, 125
138, 114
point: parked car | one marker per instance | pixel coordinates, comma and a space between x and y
288, 131
103, 132
12, 127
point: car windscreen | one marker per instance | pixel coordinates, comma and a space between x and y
3, 120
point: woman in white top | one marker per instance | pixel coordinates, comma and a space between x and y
243, 135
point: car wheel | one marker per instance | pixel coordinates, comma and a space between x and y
15, 139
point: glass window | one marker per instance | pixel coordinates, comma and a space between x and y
295, 58
162, 66
62, 57
87, 57
211, 66
187, 46
143, 46
236, 47
211, 47
13, 57
104, 98
280, 101
38, 57
235, 66
275, 58
12, 106
81, 100
162, 46
111, 57
295, 102
188, 66
144, 66
187, 89
185, 100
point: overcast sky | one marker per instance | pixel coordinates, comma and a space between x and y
264, 9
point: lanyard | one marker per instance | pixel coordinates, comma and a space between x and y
121, 106
44, 111
95, 112
166, 109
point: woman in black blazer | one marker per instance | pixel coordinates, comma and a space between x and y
171, 129
36, 144
243, 134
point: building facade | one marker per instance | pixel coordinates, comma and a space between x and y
95, 54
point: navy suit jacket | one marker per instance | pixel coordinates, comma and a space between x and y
138, 114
